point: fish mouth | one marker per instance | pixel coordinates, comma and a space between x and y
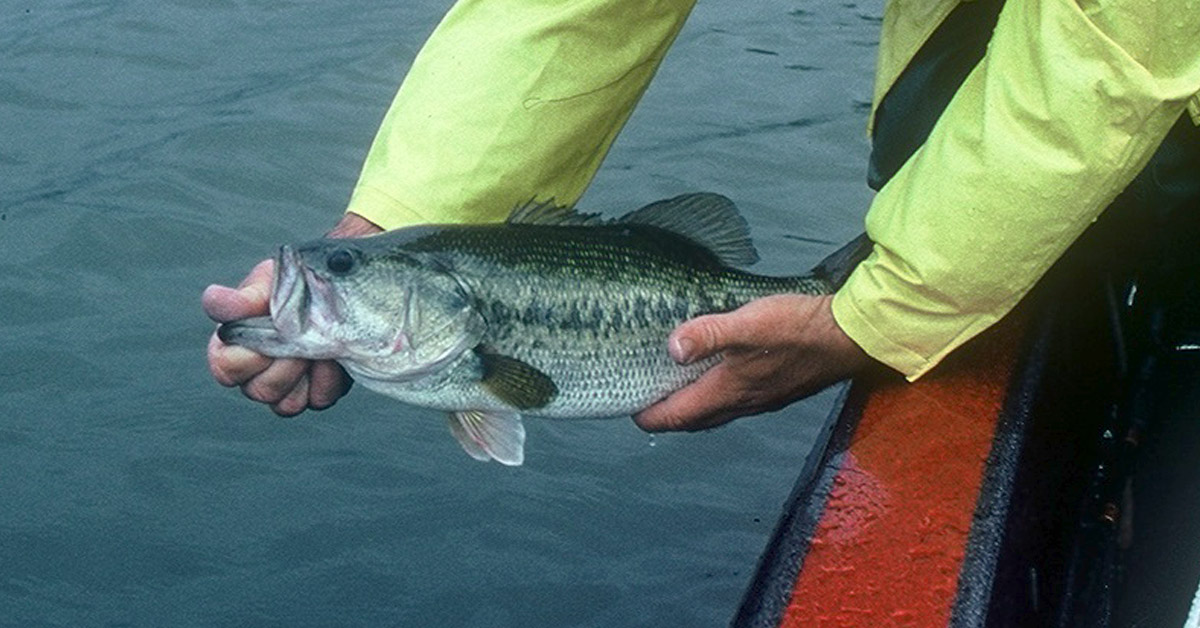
301, 300
301, 308
257, 332
289, 293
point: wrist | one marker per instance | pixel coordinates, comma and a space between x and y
848, 352
352, 226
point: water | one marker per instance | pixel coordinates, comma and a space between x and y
154, 146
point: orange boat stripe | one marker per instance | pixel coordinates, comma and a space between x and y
890, 542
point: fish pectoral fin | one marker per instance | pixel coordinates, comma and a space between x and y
514, 382
498, 436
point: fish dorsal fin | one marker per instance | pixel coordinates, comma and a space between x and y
710, 220
514, 382
547, 212
498, 436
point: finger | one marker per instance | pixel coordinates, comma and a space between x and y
232, 365
327, 383
295, 402
703, 404
260, 275
276, 382
224, 304
250, 298
705, 336
696, 339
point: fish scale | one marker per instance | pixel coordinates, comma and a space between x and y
592, 306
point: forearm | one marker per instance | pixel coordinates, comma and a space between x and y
1051, 126
511, 100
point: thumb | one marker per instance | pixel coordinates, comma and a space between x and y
250, 298
701, 337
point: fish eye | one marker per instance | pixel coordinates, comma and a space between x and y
340, 262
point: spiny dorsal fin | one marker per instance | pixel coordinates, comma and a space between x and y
710, 220
498, 436
547, 212
515, 382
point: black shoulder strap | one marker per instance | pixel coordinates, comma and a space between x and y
914, 103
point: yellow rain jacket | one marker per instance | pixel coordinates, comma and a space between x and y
514, 97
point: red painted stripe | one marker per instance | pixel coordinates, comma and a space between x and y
889, 544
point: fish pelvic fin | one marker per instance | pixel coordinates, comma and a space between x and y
498, 436
514, 382
710, 220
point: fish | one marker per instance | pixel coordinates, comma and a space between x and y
553, 313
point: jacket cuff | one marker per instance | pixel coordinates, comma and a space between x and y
381, 209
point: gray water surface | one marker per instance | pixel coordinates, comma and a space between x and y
151, 147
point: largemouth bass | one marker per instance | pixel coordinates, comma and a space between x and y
553, 313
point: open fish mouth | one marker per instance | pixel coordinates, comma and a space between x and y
289, 293
300, 298
302, 310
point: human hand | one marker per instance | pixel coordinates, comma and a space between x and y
287, 385
775, 350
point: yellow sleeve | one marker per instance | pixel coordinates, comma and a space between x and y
1067, 106
508, 100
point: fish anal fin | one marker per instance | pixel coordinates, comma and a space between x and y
514, 382
498, 436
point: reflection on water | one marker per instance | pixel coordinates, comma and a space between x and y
153, 147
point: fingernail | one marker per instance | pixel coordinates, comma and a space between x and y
681, 350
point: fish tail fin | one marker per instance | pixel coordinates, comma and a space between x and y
836, 268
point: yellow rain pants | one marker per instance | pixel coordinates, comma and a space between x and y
512, 98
